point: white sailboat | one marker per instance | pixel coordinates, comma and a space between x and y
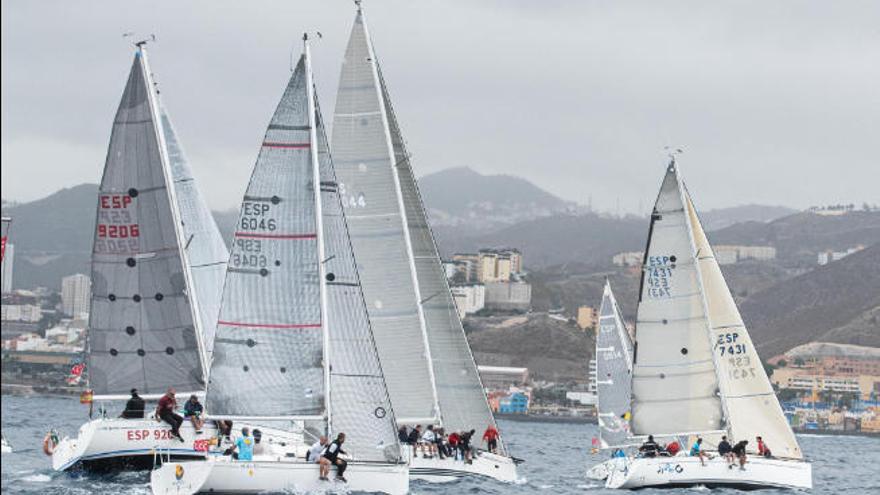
157, 265
431, 375
614, 353
696, 371
294, 340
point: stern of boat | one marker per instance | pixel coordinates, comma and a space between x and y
69, 451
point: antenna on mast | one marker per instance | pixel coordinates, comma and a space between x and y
305, 39
670, 152
141, 42
358, 4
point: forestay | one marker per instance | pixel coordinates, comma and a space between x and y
142, 330
365, 165
206, 252
674, 386
269, 350
751, 405
613, 373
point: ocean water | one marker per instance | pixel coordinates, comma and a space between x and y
556, 456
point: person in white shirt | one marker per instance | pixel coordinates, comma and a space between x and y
428, 439
314, 453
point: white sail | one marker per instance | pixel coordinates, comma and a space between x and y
675, 389
206, 252
750, 403
365, 165
144, 329
613, 373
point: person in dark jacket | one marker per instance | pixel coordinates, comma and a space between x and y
739, 450
650, 448
402, 435
726, 451
134, 408
192, 409
330, 457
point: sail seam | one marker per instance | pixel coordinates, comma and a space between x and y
250, 235
268, 325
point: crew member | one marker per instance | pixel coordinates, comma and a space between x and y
134, 407
165, 411
331, 457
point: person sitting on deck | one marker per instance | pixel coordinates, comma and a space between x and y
697, 451
244, 445
259, 448
315, 451
402, 435
454, 440
330, 457
134, 407
649, 448
414, 435
739, 450
491, 438
192, 409
671, 449
427, 442
726, 451
165, 412
440, 443
763, 449
464, 444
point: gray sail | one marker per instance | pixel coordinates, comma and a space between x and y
359, 402
460, 393
142, 332
365, 161
206, 252
613, 373
674, 386
269, 349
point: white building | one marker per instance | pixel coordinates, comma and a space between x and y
468, 298
8, 259
826, 257
76, 292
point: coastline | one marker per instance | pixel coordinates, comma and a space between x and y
540, 418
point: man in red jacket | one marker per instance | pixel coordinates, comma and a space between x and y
165, 411
491, 438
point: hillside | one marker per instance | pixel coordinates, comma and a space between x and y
839, 302
724, 217
462, 196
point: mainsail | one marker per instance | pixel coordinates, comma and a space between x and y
365, 164
613, 373
750, 403
674, 385
294, 340
372, 175
205, 250
144, 331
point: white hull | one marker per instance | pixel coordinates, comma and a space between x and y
132, 443
687, 471
5, 447
601, 471
223, 475
486, 465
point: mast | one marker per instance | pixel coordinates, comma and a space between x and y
158, 126
319, 222
401, 207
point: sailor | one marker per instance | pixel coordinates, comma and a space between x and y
165, 412
413, 440
454, 440
259, 448
244, 445
763, 449
331, 457
466, 447
726, 451
491, 438
649, 448
697, 450
192, 409
427, 442
134, 408
402, 435
314, 452
739, 450
441, 443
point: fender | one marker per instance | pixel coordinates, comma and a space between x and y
49, 443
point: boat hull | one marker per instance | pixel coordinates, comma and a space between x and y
223, 475
485, 465
674, 472
601, 471
111, 444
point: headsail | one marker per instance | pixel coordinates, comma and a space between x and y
750, 403
269, 347
365, 165
205, 250
613, 372
674, 386
143, 329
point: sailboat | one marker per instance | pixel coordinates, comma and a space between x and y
157, 265
614, 353
696, 371
294, 341
431, 374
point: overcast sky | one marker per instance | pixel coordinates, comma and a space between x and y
773, 102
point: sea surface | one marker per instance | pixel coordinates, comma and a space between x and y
556, 456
